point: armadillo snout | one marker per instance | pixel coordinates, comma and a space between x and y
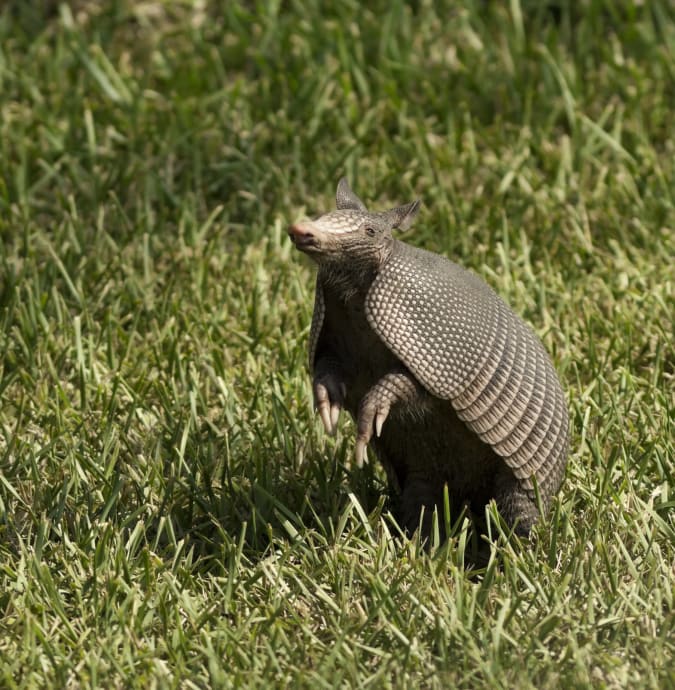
302, 236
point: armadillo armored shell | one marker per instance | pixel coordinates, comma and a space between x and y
464, 344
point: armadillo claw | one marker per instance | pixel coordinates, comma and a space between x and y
370, 416
335, 414
328, 397
379, 421
360, 452
323, 406
324, 411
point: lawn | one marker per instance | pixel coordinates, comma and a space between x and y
171, 512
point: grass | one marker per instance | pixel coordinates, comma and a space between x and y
171, 514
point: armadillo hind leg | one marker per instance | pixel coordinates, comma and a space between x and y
516, 505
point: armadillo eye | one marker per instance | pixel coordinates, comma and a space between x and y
370, 232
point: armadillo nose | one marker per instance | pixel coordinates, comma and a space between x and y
294, 230
299, 230
301, 235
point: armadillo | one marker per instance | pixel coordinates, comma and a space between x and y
446, 384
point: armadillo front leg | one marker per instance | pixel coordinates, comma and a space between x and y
394, 387
329, 392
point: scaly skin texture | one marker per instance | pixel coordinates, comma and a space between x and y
445, 383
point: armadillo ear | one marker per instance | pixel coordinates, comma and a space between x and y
402, 217
346, 199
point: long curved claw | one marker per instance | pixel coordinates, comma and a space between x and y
335, 414
364, 425
323, 406
379, 421
360, 452
324, 411
329, 394
371, 418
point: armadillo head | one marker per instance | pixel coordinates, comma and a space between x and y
351, 235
